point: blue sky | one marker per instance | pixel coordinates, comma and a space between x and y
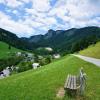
31, 17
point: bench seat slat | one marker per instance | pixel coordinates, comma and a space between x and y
69, 81
65, 86
75, 87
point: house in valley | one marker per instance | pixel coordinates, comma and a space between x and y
35, 65
56, 56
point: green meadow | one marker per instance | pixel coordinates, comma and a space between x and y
92, 51
4, 50
45, 82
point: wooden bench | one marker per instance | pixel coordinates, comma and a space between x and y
74, 83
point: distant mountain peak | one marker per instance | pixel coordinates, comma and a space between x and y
50, 30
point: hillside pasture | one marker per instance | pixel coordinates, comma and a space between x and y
45, 82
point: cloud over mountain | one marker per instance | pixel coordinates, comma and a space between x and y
29, 17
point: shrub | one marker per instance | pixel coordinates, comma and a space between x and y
24, 66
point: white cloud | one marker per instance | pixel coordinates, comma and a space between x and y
2, 1
35, 13
47, 20
41, 5
25, 1
19, 28
15, 12
12, 3
76, 13
83, 10
31, 23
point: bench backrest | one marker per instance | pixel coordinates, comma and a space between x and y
82, 79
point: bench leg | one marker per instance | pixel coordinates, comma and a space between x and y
71, 93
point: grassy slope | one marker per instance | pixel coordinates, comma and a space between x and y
4, 51
43, 83
92, 51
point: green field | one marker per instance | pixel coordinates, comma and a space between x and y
5, 52
44, 83
92, 51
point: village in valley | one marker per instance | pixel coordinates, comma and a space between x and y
30, 60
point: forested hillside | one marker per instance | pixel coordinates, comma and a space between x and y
13, 40
62, 41
68, 41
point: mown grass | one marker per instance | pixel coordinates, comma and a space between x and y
92, 51
4, 50
44, 83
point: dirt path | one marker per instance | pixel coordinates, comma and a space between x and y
90, 59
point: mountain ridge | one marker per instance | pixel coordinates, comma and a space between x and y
59, 40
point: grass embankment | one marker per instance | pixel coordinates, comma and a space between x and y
44, 83
92, 51
4, 50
